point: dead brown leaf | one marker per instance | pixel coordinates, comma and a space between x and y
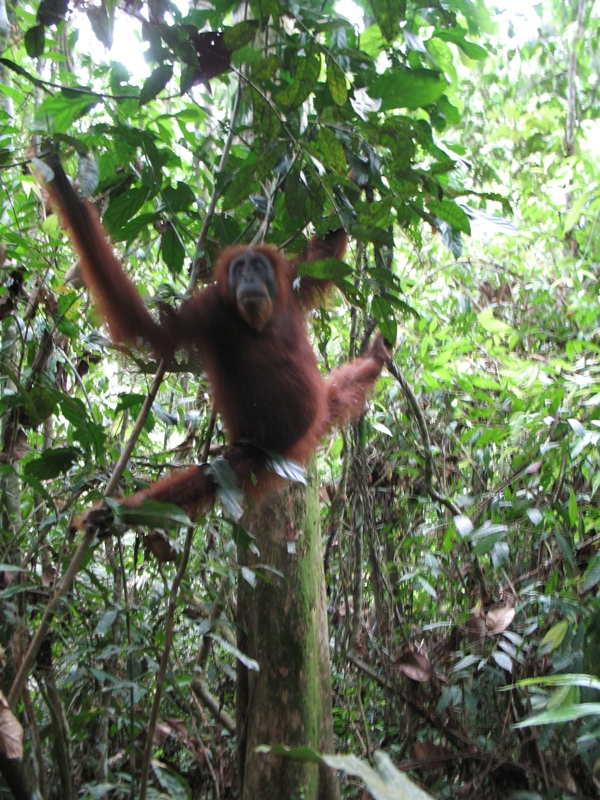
415, 666
498, 619
11, 732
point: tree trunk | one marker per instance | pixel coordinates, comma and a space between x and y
282, 624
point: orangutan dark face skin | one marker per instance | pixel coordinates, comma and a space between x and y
253, 284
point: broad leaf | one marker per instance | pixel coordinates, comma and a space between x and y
414, 88
156, 83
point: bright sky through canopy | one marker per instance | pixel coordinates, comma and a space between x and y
128, 49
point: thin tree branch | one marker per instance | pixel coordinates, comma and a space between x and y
425, 441
164, 662
126, 452
429, 465
52, 607
194, 272
213, 705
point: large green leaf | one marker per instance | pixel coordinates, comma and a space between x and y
123, 208
452, 213
389, 14
240, 34
567, 713
384, 782
172, 249
149, 513
52, 462
331, 150
56, 114
307, 68
156, 83
35, 41
457, 37
336, 81
325, 269
408, 88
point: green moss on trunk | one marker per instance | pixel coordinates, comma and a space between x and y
283, 626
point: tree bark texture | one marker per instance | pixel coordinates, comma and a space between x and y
282, 624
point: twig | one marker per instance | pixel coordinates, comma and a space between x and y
145, 770
435, 720
52, 607
42, 84
363, 718
429, 466
426, 443
213, 705
164, 663
218, 606
216, 193
126, 452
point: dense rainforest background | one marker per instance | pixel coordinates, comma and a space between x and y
457, 557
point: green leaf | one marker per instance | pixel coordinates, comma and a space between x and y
149, 513
263, 9
156, 83
408, 88
592, 576
463, 525
35, 41
248, 662
228, 487
164, 416
52, 462
239, 189
56, 114
132, 228
567, 713
129, 400
564, 679
123, 208
266, 118
331, 269
384, 782
574, 213
91, 435
383, 312
307, 70
73, 410
503, 660
578, 428
389, 14
105, 622
554, 637
102, 24
178, 39
20, 71
486, 542
329, 146
336, 81
457, 36
452, 213
451, 238
51, 12
488, 322
240, 34
172, 250
296, 193
179, 198
265, 68
40, 404
573, 515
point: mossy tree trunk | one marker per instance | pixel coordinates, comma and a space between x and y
283, 626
